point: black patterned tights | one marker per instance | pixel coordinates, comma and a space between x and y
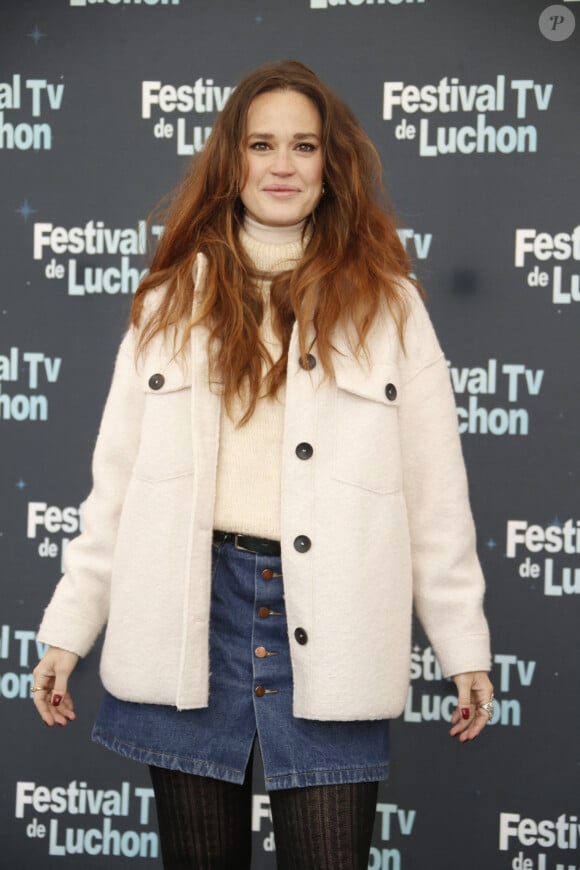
205, 824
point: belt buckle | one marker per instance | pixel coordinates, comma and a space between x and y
238, 546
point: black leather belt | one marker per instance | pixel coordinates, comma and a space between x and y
248, 543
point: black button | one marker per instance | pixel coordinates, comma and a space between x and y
391, 392
302, 543
156, 381
301, 636
304, 450
309, 363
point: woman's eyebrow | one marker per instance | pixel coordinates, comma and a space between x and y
269, 136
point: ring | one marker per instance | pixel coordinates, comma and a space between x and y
488, 707
34, 689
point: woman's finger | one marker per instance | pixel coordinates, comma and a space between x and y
50, 687
474, 705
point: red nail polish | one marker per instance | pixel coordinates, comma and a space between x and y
465, 713
56, 699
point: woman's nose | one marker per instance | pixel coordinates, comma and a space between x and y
282, 163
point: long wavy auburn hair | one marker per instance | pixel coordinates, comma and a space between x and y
351, 267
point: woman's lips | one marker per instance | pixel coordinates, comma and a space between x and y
281, 192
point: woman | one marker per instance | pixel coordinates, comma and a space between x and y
278, 476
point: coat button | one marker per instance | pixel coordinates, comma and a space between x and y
309, 363
267, 574
302, 543
259, 691
156, 381
261, 652
263, 612
391, 392
304, 450
301, 636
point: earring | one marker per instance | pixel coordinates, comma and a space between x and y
323, 189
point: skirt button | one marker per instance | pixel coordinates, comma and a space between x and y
259, 691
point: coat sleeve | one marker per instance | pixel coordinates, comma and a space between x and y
80, 604
448, 584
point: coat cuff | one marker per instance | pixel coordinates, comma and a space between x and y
464, 654
67, 631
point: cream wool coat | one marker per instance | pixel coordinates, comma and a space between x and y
383, 501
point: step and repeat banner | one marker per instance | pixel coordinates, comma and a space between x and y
475, 110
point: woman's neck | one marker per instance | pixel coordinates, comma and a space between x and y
273, 235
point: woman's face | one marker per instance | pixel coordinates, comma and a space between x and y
283, 156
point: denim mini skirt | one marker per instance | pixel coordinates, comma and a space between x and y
250, 697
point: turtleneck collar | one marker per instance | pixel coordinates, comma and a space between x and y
273, 249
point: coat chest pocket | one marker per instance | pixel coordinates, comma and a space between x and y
366, 441
165, 449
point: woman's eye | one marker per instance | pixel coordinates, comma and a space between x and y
303, 147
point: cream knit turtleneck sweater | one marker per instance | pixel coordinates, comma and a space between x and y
249, 459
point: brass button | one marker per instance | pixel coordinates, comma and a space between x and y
259, 691
267, 574
261, 652
263, 612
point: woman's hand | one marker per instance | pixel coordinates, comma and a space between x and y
49, 689
470, 718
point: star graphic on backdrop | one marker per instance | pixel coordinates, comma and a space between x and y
36, 35
21, 484
490, 544
25, 211
556, 522
258, 19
